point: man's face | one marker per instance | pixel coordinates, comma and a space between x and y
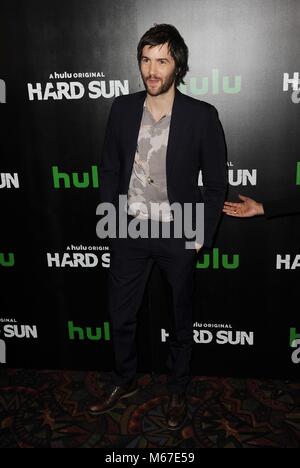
157, 69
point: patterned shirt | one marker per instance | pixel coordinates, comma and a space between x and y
148, 182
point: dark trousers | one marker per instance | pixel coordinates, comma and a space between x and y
131, 262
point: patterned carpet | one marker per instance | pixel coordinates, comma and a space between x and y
46, 409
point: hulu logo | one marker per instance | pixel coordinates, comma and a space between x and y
83, 181
9, 261
217, 261
298, 173
87, 333
217, 84
293, 337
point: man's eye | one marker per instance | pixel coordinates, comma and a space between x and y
162, 62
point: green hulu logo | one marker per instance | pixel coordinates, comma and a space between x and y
217, 261
9, 261
294, 336
216, 84
298, 173
87, 333
63, 180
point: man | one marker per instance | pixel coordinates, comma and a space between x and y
156, 142
249, 207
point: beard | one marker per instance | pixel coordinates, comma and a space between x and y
163, 88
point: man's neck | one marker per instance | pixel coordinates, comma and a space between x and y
162, 103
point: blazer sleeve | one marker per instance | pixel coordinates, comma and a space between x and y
214, 174
110, 161
281, 207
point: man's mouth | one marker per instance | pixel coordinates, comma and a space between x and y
153, 81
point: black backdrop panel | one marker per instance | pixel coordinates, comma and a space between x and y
62, 64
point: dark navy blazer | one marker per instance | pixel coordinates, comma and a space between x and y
196, 142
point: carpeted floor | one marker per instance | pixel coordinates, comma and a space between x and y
47, 409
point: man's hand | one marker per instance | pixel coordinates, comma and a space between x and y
198, 246
246, 209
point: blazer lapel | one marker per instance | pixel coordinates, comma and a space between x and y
176, 132
134, 122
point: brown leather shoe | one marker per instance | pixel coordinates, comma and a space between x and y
111, 397
176, 410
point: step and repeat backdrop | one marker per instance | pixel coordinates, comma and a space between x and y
62, 65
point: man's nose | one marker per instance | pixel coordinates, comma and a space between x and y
152, 68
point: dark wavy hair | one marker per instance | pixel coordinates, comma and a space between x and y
160, 34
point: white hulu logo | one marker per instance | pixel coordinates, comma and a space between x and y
2, 92
2, 352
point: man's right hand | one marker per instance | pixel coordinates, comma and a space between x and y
246, 209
